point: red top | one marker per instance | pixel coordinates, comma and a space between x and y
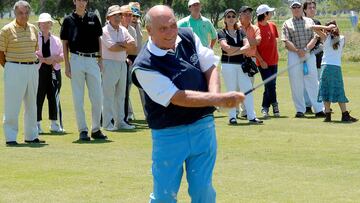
268, 45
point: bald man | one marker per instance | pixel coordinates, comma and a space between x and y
180, 106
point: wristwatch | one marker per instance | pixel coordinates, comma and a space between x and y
306, 49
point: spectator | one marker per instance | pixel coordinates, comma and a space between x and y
267, 58
81, 32
50, 55
299, 39
21, 75
331, 83
234, 45
202, 26
115, 41
309, 9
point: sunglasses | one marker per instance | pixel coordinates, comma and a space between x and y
296, 7
135, 16
231, 16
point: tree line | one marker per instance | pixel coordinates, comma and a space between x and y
213, 9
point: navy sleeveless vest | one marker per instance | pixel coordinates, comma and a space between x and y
183, 69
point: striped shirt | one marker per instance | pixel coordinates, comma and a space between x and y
298, 31
18, 43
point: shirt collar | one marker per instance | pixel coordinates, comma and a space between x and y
111, 28
19, 26
297, 18
160, 52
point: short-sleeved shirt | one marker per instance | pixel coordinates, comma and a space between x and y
298, 31
110, 37
268, 44
333, 56
82, 33
19, 43
202, 27
252, 32
232, 41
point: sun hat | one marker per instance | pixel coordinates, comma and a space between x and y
45, 17
112, 10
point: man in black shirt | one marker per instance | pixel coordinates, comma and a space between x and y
80, 32
309, 9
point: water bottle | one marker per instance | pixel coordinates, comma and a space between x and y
305, 68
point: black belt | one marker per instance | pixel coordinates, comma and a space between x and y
92, 55
24, 63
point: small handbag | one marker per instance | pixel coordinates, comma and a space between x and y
249, 67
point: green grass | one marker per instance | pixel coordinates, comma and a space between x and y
284, 160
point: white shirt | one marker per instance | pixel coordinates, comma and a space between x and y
110, 37
159, 87
332, 56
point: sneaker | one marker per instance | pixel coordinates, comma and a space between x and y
83, 136
265, 112
232, 121
276, 111
11, 143
98, 135
111, 127
255, 121
126, 126
39, 129
299, 115
131, 117
320, 114
308, 110
56, 128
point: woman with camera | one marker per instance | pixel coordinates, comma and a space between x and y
234, 44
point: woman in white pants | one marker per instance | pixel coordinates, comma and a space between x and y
234, 44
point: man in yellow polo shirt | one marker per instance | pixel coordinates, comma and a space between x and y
18, 43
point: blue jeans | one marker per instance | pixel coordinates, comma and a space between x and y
194, 144
269, 96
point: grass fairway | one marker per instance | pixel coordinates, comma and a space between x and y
284, 160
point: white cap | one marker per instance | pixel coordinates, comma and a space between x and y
45, 17
263, 8
295, 3
191, 2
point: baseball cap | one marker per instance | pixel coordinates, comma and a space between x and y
112, 10
295, 3
135, 8
228, 11
191, 2
244, 8
263, 8
45, 17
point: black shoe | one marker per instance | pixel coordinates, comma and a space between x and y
327, 117
84, 136
232, 121
11, 143
255, 121
347, 118
308, 110
98, 135
320, 114
299, 115
35, 141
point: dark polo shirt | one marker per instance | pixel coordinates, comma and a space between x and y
82, 34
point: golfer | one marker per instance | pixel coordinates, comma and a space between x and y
181, 84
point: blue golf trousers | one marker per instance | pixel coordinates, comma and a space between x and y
269, 96
193, 144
